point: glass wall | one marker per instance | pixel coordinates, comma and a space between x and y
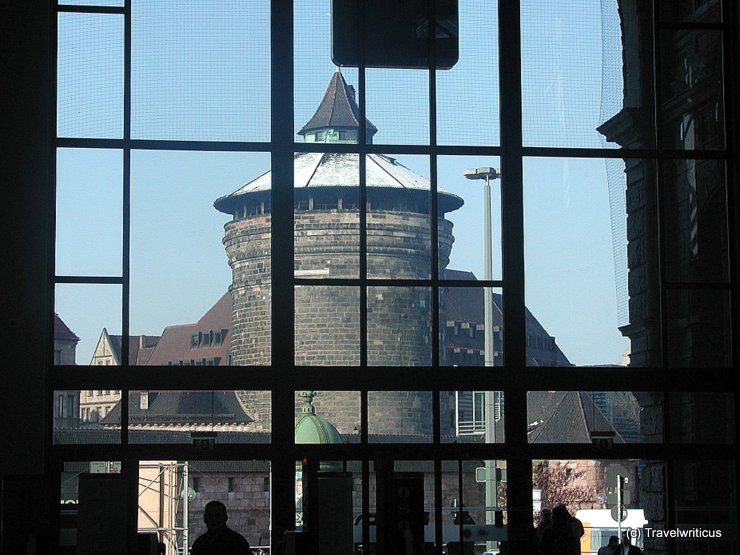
297, 269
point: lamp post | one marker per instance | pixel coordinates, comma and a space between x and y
486, 174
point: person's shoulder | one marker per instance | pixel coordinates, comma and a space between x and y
195, 548
238, 538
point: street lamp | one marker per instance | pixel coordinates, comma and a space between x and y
486, 174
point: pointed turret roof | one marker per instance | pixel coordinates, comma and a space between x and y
338, 109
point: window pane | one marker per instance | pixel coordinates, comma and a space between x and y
702, 417
328, 497
695, 215
184, 295
77, 415
588, 490
704, 11
573, 56
398, 221
327, 417
465, 415
601, 418
479, 506
242, 486
698, 329
461, 209
399, 326
69, 496
413, 482
325, 96
201, 70
467, 94
576, 259
87, 320
220, 417
90, 75
89, 216
398, 105
399, 416
691, 85
327, 215
327, 326
462, 327
703, 506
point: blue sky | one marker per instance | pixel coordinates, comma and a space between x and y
189, 85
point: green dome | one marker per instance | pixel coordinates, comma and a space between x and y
312, 429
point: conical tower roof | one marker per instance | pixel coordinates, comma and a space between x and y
338, 109
316, 170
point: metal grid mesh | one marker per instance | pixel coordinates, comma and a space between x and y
467, 94
397, 99
201, 70
90, 76
611, 103
563, 62
312, 51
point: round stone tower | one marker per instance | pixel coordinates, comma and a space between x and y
326, 243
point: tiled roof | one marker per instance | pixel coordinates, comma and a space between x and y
100, 436
140, 347
229, 466
174, 345
564, 417
182, 407
61, 331
338, 108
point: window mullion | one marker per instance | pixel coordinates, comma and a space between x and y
282, 285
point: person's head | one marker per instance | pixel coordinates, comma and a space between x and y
560, 515
215, 515
613, 540
626, 539
546, 517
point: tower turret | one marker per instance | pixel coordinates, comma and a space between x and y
327, 230
337, 119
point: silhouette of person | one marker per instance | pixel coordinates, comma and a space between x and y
559, 538
575, 524
545, 522
612, 548
626, 547
219, 539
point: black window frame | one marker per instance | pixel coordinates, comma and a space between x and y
283, 378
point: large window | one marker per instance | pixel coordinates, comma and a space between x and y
314, 286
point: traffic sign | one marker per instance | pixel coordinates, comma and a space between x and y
616, 514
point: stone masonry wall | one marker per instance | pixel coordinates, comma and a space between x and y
327, 318
248, 504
